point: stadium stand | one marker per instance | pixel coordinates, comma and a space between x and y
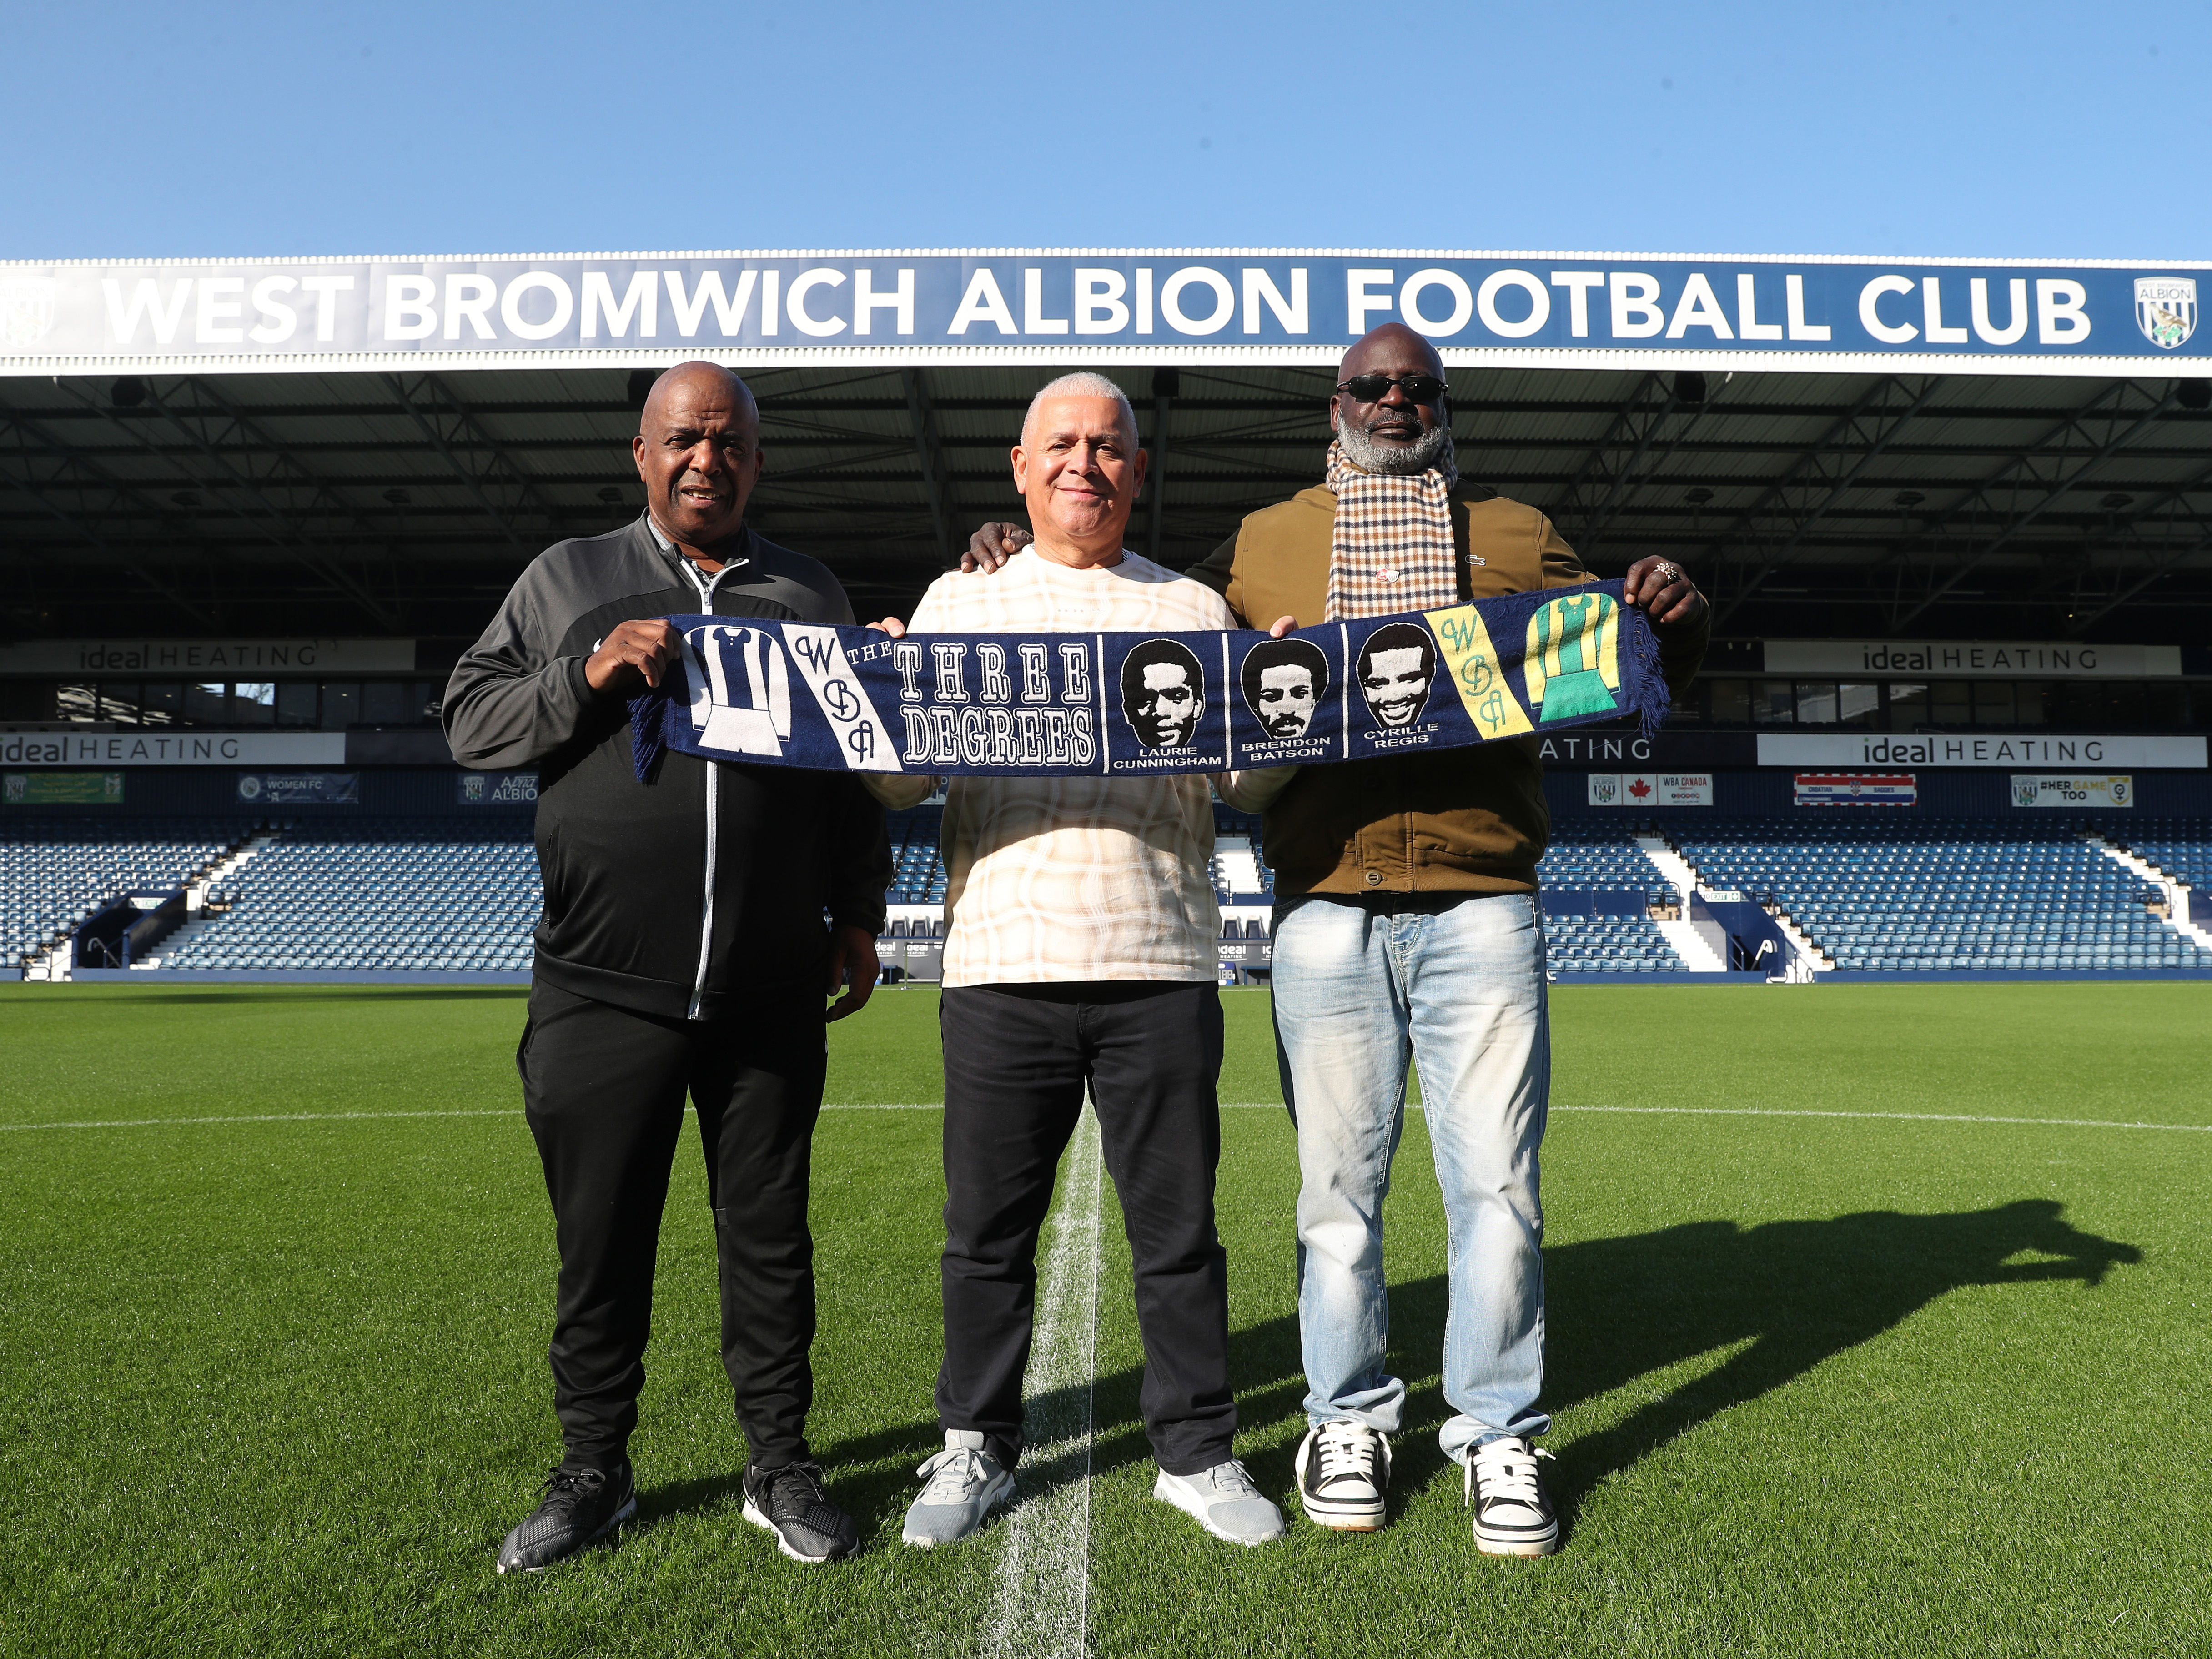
1946, 894
917, 872
54, 875
1601, 858
1873, 893
2182, 847
400, 895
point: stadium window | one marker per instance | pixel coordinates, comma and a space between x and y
1858, 705
1772, 703
1730, 701
383, 702
204, 705
2166, 705
2028, 701
295, 704
426, 699
1908, 706
253, 703
1951, 702
1816, 704
76, 703
118, 702
164, 702
341, 705
1993, 703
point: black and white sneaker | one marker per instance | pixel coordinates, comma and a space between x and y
580, 1506
791, 1502
1512, 1514
1344, 1472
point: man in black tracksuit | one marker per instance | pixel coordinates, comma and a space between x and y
682, 951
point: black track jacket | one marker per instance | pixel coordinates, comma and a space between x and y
705, 886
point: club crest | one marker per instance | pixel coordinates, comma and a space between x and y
27, 310
2166, 309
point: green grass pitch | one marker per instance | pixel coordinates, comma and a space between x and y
1846, 1385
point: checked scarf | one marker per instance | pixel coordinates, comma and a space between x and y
1391, 550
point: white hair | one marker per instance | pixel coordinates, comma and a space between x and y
1081, 385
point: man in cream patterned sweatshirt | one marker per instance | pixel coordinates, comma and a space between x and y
1082, 949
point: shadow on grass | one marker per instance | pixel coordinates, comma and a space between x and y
855, 1478
1797, 1292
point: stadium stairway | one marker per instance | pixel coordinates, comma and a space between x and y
1950, 895
54, 875
1690, 944
394, 899
2180, 914
196, 903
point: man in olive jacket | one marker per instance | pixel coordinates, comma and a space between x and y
1407, 927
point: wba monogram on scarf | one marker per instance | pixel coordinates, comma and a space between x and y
1139, 705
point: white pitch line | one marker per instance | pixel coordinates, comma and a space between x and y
1042, 1607
1896, 1117
1226, 1106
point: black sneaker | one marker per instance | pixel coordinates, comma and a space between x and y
1512, 1512
791, 1504
579, 1506
1344, 1470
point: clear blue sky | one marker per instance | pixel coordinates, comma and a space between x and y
2027, 130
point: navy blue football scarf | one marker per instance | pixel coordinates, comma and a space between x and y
1138, 705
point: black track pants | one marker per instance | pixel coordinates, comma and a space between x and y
1016, 1061
604, 1090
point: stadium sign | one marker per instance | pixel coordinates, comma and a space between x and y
1011, 305
172, 748
62, 789
1856, 789
1651, 789
2037, 789
1847, 752
187, 658
496, 789
1970, 660
300, 788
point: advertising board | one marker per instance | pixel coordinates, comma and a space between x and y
1856, 789
1651, 789
2041, 789
300, 788
62, 789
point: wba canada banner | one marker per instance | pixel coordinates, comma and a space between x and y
1857, 788
1131, 705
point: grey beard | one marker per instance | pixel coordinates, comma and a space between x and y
1432, 449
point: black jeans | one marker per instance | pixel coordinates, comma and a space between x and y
603, 1088
1016, 1061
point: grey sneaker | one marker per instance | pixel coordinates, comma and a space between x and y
1512, 1514
1222, 1500
1344, 1470
965, 1485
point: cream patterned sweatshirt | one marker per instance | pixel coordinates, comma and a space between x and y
1061, 880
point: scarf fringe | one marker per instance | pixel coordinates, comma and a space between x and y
1652, 701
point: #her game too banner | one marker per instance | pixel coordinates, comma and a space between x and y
1137, 705
2039, 790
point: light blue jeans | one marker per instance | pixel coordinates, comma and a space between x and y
1458, 986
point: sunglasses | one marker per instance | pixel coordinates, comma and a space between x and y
1371, 388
